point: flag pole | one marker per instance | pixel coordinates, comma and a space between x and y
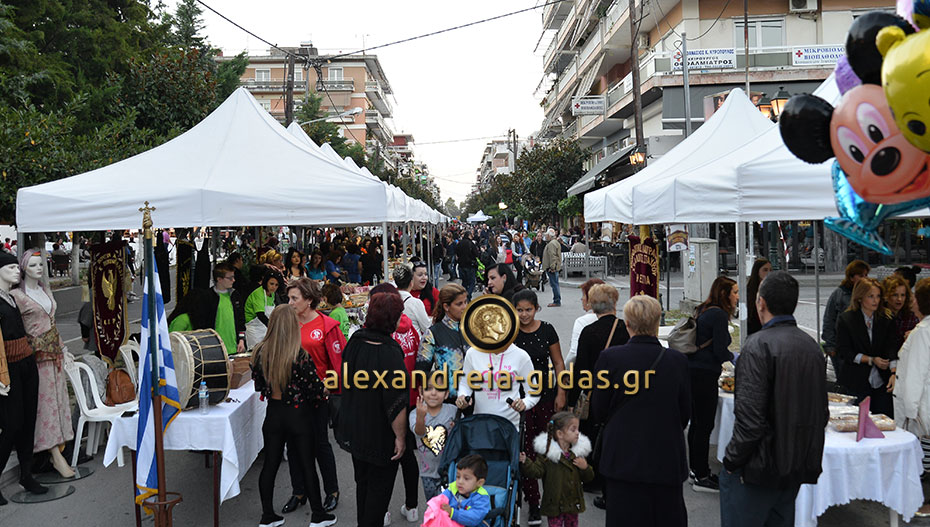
148, 233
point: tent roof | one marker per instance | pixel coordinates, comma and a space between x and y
478, 216
760, 181
729, 128
236, 167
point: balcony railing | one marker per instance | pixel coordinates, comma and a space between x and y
263, 84
570, 131
377, 97
373, 117
336, 85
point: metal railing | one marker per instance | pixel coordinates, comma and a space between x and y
336, 85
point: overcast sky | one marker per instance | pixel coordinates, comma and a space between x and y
472, 82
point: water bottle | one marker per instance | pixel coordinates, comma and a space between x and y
204, 397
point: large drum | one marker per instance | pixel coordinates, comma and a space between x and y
200, 356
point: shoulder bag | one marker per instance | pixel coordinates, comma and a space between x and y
596, 453
583, 406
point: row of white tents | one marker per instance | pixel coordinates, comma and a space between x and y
238, 166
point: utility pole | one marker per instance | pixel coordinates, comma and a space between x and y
289, 93
634, 59
746, 42
685, 82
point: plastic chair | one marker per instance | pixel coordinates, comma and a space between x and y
126, 352
95, 416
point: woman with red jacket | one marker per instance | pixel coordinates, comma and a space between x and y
322, 339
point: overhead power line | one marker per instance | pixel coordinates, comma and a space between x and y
447, 141
367, 49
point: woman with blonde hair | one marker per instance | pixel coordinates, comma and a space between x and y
865, 342
286, 377
897, 295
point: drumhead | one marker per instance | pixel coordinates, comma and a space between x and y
183, 357
200, 355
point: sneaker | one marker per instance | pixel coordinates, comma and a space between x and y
271, 520
600, 503
387, 518
411, 514
322, 519
534, 518
706, 484
923, 511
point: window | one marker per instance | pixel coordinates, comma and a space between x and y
298, 75
335, 74
266, 105
763, 33
263, 75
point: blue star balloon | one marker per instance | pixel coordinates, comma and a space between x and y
859, 219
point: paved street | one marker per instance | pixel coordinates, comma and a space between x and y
105, 497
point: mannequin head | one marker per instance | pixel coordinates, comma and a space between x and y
34, 267
32, 270
9, 276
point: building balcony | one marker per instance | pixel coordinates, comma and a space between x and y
376, 124
570, 131
501, 151
263, 85
377, 97
336, 85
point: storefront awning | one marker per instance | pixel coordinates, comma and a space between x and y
588, 180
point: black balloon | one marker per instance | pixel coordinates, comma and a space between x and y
804, 124
863, 56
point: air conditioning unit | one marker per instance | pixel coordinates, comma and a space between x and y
642, 40
802, 6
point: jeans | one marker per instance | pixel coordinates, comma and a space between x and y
437, 272
468, 279
553, 277
374, 485
746, 505
284, 423
703, 412
323, 452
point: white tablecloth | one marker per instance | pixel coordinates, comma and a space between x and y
233, 428
883, 470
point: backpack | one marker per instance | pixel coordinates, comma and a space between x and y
119, 388
683, 336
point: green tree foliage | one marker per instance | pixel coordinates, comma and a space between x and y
186, 25
538, 184
451, 208
228, 73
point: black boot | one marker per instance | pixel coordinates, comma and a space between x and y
32, 485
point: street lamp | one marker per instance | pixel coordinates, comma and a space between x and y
503, 206
765, 107
779, 101
348, 113
637, 156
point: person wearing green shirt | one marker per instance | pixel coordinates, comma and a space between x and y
219, 308
257, 307
333, 296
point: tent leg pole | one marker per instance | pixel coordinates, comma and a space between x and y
587, 254
741, 278
817, 275
384, 248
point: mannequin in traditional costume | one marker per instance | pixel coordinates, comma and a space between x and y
19, 398
37, 305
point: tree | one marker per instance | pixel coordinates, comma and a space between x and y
228, 73
325, 132
186, 25
452, 209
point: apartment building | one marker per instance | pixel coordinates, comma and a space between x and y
497, 158
587, 88
356, 81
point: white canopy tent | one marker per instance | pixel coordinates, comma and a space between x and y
478, 217
736, 122
236, 167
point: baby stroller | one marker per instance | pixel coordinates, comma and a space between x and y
496, 440
534, 278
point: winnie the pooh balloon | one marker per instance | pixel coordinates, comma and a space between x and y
906, 79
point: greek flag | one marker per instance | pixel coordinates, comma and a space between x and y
146, 475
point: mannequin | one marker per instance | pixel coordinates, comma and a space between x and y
37, 306
18, 403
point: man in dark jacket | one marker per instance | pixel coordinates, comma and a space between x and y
643, 458
780, 408
220, 308
467, 255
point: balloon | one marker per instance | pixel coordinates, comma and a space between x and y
858, 218
906, 81
804, 124
863, 56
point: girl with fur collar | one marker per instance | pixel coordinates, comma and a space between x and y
562, 467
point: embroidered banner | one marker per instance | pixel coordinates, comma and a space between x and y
644, 267
107, 282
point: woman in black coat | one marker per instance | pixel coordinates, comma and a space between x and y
865, 342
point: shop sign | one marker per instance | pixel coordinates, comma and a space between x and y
596, 105
816, 55
706, 59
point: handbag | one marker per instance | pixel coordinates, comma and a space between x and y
119, 388
583, 406
596, 453
683, 336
